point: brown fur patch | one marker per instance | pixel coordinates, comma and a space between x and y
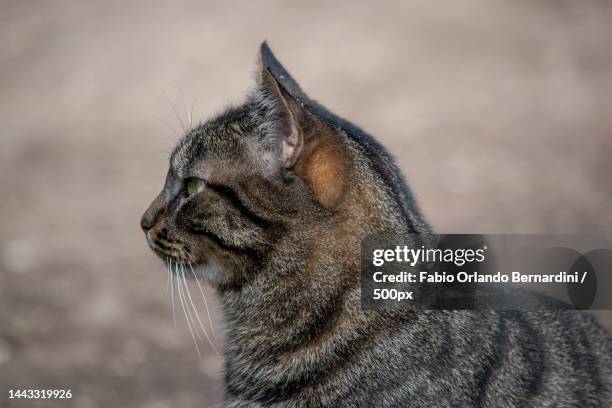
325, 168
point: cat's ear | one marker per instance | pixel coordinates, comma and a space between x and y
282, 114
268, 61
307, 146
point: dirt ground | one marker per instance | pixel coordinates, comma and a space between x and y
499, 113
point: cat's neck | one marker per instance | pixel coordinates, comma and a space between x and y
318, 281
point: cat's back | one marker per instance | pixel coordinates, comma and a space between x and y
496, 359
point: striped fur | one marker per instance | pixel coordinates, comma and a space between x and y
291, 191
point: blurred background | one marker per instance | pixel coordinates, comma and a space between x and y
499, 113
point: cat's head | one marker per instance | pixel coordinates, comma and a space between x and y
241, 181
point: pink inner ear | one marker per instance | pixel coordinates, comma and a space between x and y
292, 145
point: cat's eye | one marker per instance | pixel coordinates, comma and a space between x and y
194, 185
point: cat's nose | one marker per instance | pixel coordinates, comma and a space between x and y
152, 214
149, 218
147, 221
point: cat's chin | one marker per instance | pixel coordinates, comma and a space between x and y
211, 271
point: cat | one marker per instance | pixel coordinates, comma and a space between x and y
269, 202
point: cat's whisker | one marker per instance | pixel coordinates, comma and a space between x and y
168, 277
190, 115
196, 311
287, 245
178, 283
171, 289
191, 318
264, 241
176, 114
181, 274
174, 131
205, 302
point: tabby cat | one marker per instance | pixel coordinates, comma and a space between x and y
269, 201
